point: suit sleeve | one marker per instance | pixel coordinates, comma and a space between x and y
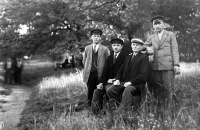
175, 53
148, 43
105, 73
120, 71
142, 76
84, 55
107, 52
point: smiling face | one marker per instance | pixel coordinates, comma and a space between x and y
96, 38
158, 25
136, 47
117, 47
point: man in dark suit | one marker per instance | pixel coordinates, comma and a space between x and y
131, 78
112, 65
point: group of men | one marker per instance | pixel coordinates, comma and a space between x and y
122, 78
12, 70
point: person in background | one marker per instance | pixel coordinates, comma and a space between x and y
73, 62
94, 58
7, 70
18, 71
112, 65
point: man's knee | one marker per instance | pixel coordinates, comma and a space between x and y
129, 89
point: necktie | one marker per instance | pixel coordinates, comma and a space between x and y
133, 56
115, 57
95, 49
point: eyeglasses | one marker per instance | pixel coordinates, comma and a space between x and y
157, 23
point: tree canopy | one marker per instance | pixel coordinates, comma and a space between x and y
55, 26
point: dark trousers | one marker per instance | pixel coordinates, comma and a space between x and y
97, 100
162, 85
92, 85
17, 76
127, 97
8, 76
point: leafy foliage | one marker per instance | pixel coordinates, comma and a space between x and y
57, 25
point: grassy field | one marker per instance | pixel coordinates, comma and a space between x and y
59, 103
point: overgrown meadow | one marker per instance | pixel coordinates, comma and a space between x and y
59, 103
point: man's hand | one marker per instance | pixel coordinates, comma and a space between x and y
127, 84
111, 81
177, 70
151, 58
149, 50
117, 82
100, 86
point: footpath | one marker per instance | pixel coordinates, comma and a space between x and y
12, 105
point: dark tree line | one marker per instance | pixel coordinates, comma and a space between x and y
55, 26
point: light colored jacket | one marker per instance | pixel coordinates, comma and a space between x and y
103, 53
166, 53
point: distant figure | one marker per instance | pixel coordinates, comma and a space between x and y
18, 71
7, 70
72, 62
13, 70
65, 63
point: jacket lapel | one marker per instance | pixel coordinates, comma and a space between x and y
156, 38
90, 52
134, 59
118, 57
127, 65
99, 52
164, 36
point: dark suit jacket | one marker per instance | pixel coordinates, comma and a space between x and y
110, 70
136, 72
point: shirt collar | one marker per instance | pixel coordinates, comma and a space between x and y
117, 54
97, 46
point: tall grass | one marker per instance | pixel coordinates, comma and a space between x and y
183, 114
67, 85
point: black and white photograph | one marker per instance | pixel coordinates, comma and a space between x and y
99, 64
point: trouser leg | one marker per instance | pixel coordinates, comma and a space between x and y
130, 98
97, 100
92, 85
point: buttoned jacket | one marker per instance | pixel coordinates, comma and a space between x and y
103, 53
166, 53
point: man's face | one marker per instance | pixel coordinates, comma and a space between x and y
117, 47
158, 25
96, 38
136, 47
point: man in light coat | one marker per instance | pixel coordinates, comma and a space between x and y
165, 63
94, 58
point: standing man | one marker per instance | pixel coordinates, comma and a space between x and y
131, 78
7, 70
18, 71
165, 63
94, 58
112, 65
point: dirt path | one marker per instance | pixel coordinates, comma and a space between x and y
11, 106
